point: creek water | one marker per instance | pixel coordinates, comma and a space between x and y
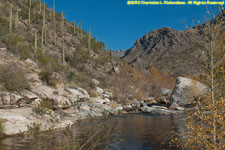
132, 132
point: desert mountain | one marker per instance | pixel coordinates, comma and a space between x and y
179, 52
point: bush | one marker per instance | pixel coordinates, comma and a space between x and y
50, 63
93, 93
43, 107
12, 78
18, 45
45, 76
3, 26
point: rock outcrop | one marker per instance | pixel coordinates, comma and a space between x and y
186, 90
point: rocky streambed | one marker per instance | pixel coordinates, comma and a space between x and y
62, 105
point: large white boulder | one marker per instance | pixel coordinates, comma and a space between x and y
186, 89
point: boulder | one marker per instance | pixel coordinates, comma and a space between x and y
158, 110
99, 90
14, 98
59, 84
15, 121
185, 90
5, 98
31, 63
77, 94
96, 82
166, 92
57, 97
116, 70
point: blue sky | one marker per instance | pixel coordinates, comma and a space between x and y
116, 23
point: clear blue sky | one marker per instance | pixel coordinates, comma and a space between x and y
116, 23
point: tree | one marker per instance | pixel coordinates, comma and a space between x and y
206, 124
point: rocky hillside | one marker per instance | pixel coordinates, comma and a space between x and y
31, 30
51, 71
179, 52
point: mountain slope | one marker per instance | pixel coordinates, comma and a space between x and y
179, 52
54, 43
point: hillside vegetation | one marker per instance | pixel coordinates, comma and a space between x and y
29, 29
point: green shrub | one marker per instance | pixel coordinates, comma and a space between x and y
71, 76
45, 76
43, 107
102, 60
50, 63
12, 78
18, 45
3, 26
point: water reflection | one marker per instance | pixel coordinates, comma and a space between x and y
133, 132
144, 132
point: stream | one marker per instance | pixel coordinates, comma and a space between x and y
132, 132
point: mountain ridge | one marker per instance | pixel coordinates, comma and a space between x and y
180, 52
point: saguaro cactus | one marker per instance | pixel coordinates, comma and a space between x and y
111, 53
45, 41
62, 23
63, 53
29, 12
43, 16
16, 19
42, 37
35, 43
53, 11
10, 19
81, 32
40, 5
78, 28
74, 27
89, 39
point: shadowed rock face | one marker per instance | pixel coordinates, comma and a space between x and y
179, 52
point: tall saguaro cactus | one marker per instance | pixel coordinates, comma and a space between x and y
111, 53
45, 36
62, 23
35, 43
53, 11
42, 37
81, 32
10, 19
43, 29
40, 5
89, 39
16, 19
29, 13
78, 30
43, 16
63, 53
74, 27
